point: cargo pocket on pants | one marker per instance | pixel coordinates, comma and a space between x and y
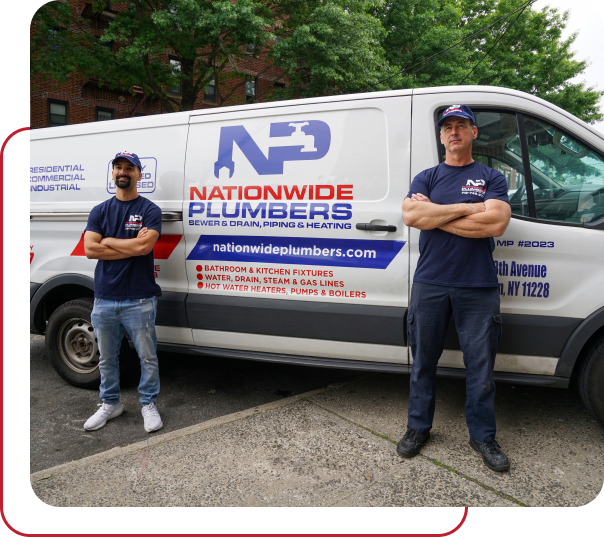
411, 328
496, 329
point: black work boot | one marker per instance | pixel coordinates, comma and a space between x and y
492, 455
410, 443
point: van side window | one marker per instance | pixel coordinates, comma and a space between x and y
567, 176
498, 146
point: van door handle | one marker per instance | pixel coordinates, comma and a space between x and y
374, 227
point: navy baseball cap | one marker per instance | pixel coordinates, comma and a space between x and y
459, 110
128, 156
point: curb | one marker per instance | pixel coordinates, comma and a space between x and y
180, 433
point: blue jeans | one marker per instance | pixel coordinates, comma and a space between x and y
478, 322
111, 319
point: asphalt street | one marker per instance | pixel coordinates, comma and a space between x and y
193, 390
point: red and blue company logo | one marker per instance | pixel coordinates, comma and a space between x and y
453, 108
474, 186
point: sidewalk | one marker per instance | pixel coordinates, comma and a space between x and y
336, 447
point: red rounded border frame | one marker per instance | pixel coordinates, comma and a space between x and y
17, 532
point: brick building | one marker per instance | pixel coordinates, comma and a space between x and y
81, 101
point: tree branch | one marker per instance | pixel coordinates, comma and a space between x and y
157, 90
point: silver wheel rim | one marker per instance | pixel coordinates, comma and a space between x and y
78, 346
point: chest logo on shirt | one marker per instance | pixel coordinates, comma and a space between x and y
135, 222
475, 187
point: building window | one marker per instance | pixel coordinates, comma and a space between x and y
58, 113
209, 92
54, 37
108, 44
139, 114
104, 114
175, 64
279, 85
250, 90
250, 48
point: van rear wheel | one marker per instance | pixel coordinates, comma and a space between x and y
72, 345
591, 381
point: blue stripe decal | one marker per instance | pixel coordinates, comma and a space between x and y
358, 253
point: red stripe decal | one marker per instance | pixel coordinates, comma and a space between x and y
165, 246
162, 250
79, 249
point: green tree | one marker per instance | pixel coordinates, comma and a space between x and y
328, 47
531, 56
417, 30
324, 46
528, 55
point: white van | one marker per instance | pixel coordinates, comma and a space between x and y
283, 238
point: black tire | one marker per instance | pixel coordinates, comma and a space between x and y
591, 381
70, 331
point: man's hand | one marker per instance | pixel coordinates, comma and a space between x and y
141, 245
141, 234
94, 249
420, 197
419, 212
490, 223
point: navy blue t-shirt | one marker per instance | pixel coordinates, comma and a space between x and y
132, 277
445, 258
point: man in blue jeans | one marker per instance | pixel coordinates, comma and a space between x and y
121, 233
459, 206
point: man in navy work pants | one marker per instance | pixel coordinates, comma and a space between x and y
459, 206
121, 233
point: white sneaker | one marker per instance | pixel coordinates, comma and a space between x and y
151, 418
100, 417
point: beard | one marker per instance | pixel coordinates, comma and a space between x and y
123, 181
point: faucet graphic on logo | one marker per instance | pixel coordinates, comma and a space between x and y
307, 140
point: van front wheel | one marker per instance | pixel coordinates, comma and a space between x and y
72, 345
591, 381
73, 348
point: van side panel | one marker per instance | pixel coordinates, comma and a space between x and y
70, 173
274, 203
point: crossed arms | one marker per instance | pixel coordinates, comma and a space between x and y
471, 220
109, 249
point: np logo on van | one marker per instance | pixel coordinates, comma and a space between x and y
303, 140
148, 181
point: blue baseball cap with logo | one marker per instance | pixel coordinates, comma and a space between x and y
130, 157
459, 110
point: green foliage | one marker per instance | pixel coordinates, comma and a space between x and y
417, 30
530, 56
329, 46
56, 50
324, 47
